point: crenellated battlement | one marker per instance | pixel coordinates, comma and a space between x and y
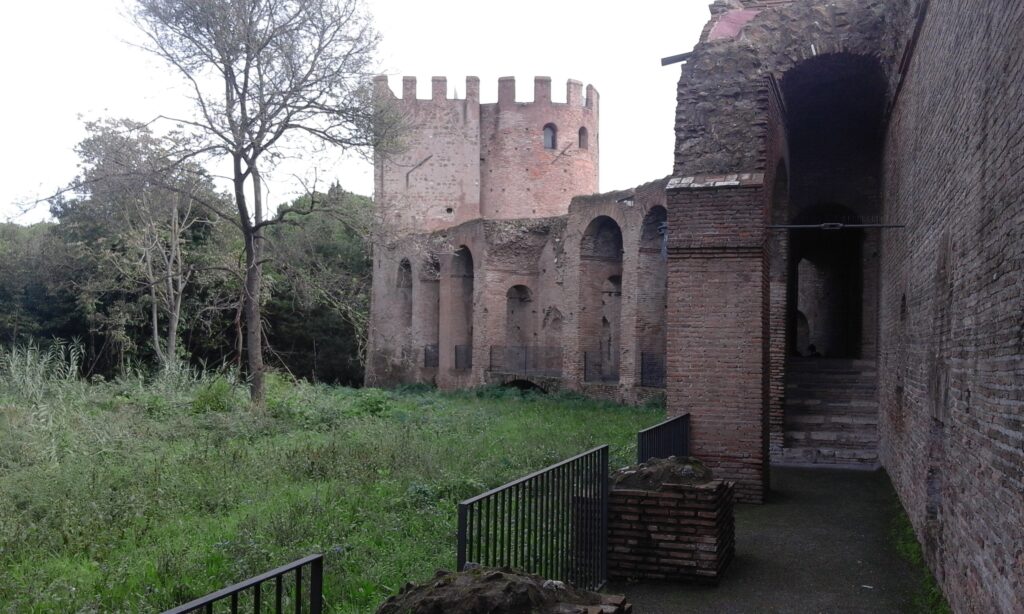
575, 95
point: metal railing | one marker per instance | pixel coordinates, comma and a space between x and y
553, 522
251, 591
596, 369
652, 369
431, 356
668, 438
463, 356
526, 360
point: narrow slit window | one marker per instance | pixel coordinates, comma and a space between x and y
584, 139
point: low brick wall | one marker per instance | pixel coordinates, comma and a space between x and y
680, 532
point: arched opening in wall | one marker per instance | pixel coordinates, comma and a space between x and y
550, 136
601, 299
404, 284
462, 308
827, 286
519, 316
584, 139
835, 119
525, 386
429, 311
835, 126
652, 295
520, 354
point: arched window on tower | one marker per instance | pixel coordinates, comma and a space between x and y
584, 139
550, 136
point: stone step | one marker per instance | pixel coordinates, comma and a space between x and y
831, 363
829, 456
839, 376
864, 438
805, 421
831, 376
832, 405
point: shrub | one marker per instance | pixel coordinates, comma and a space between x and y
372, 401
216, 395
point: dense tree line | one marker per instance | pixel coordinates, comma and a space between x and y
144, 267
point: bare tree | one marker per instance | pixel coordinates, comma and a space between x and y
263, 73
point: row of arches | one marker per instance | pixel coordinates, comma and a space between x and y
551, 137
532, 336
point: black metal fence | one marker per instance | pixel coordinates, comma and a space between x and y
553, 523
288, 589
463, 356
596, 369
652, 369
669, 438
526, 360
431, 356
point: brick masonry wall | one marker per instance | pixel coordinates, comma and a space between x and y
952, 321
717, 324
677, 533
434, 180
542, 254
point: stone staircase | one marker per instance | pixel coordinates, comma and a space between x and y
831, 412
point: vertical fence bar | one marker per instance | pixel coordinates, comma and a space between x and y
232, 597
548, 523
669, 438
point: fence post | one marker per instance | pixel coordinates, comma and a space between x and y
316, 586
461, 538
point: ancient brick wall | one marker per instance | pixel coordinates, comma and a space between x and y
952, 322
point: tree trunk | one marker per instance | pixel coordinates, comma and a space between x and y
253, 317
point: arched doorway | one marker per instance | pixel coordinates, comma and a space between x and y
601, 299
429, 310
462, 308
652, 295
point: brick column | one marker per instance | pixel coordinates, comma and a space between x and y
717, 323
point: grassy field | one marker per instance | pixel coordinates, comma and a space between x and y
137, 495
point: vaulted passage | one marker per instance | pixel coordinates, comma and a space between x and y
835, 108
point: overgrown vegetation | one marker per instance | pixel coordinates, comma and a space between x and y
136, 494
929, 598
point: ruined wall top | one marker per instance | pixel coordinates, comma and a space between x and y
506, 91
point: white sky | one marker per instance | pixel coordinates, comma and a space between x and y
66, 61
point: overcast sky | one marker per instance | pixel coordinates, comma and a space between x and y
66, 61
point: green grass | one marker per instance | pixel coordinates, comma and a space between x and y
137, 495
929, 598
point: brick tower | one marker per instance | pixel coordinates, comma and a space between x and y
461, 160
